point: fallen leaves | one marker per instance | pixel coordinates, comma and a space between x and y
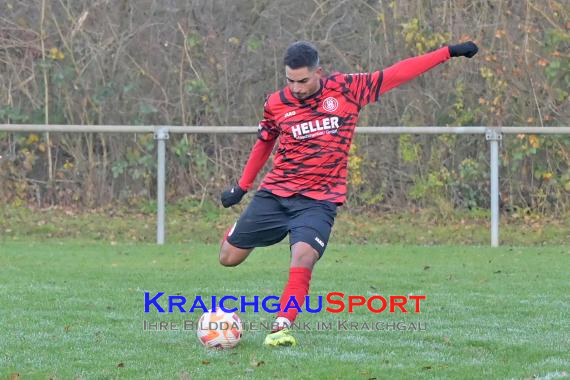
256, 363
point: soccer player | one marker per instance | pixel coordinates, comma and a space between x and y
314, 119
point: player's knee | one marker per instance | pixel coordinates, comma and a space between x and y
228, 262
303, 255
231, 256
226, 258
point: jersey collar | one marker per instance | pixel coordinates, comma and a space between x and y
307, 100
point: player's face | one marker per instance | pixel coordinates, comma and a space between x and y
303, 82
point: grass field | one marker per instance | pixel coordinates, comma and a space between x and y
72, 310
189, 221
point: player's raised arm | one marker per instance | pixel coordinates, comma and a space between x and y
257, 158
411, 68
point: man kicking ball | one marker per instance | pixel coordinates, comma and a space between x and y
314, 118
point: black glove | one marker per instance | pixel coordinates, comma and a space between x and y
232, 196
466, 49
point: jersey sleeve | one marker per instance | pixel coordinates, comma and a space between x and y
410, 68
267, 129
257, 159
365, 87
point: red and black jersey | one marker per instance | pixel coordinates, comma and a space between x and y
315, 133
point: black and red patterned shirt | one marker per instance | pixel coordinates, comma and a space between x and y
315, 133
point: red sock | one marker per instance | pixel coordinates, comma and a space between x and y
298, 287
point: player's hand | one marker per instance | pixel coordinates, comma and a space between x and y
466, 49
232, 196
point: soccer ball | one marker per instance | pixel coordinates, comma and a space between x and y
219, 329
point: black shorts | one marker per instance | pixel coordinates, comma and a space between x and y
269, 218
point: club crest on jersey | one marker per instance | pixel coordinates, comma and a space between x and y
330, 104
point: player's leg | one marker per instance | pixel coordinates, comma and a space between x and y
303, 259
303, 255
311, 225
263, 223
231, 256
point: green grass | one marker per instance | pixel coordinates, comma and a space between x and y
75, 310
190, 221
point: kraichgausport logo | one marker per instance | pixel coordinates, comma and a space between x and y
333, 302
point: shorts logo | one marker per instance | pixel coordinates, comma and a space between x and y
330, 104
319, 241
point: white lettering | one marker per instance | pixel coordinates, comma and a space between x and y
334, 122
311, 127
319, 128
296, 131
314, 128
